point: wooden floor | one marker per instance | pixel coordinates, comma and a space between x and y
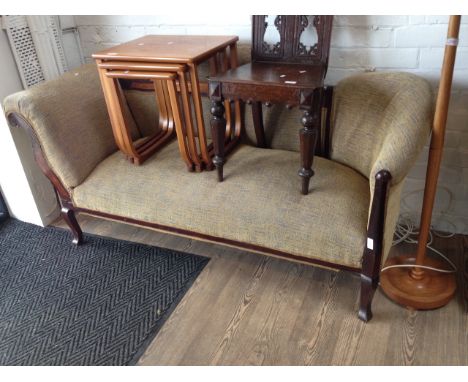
247, 309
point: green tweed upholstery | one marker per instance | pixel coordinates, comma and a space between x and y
143, 107
70, 118
259, 202
379, 121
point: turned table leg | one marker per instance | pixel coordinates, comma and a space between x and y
308, 135
218, 132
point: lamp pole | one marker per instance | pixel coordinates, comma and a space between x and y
419, 287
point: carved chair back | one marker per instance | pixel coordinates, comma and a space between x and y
291, 39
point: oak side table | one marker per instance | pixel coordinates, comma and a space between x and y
169, 64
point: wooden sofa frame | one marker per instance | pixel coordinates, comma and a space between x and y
373, 250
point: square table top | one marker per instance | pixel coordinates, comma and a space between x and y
166, 48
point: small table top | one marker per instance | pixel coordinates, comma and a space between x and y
275, 74
160, 48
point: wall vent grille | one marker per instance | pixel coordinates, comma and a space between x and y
22, 45
36, 42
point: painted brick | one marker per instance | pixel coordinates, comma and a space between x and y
418, 171
110, 34
370, 58
443, 19
426, 36
244, 32
221, 19
437, 19
455, 157
413, 194
334, 75
348, 37
370, 20
460, 77
166, 30
451, 175
117, 20
456, 139
432, 58
422, 159
458, 122
179, 19
417, 19
459, 101
90, 48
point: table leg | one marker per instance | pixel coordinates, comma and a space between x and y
161, 104
225, 63
199, 115
166, 124
178, 125
218, 132
122, 136
188, 121
308, 134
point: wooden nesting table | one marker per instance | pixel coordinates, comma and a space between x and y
169, 64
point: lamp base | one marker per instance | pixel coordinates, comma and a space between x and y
433, 290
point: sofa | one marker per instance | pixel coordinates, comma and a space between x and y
376, 125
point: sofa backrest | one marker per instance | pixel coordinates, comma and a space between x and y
69, 117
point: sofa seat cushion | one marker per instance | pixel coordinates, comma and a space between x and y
258, 203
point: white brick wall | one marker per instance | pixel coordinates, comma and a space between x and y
359, 43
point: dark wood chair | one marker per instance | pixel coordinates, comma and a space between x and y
289, 69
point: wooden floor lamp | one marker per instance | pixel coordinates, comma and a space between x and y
421, 287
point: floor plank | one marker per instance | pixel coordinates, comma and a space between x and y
248, 309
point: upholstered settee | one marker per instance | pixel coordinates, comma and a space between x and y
379, 122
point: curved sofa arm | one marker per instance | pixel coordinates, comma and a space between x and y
70, 122
407, 122
381, 121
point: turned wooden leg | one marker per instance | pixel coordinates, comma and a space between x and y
368, 288
218, 132
308, 140
69, 216
258, 124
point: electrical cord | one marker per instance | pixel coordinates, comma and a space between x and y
405, 232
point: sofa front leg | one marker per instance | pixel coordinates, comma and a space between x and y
68, 214
373, 251
368, 288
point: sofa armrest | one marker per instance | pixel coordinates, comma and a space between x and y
70, 122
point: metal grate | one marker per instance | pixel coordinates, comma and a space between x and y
22, 45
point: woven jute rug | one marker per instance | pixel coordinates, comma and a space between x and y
100, 303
